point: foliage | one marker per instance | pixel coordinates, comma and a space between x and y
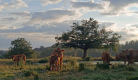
88, 59
41, 72
28, 73
102, 66
130, 68
2, 53
73, 62
21, 63
21, 46
132, 78
44, 60
81, 66
88, 35
40, 49
36, 76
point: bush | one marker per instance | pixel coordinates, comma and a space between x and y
45, 60
21, 63
73, 62
28, 73
36, 76
121, 66
29, 62
132, 78
88, 59
102, 66
48, 67
130, 68
81, 66
113, 67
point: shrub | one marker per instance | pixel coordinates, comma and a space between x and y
88, 59
113, 67
121, 66
81, 66
29, 62
36, 76
73, 62
132, 78
48, 67
21, 63
28, 73
102, 66
130, 68
45, 60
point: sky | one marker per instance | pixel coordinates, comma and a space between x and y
40, 21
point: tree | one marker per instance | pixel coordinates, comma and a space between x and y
21, 46
88, 35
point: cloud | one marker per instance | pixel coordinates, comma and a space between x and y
106, 7
135, 25
117, 7
87, 4
135, 12
46, 2
22, 14
3, 27
49, 29
9, 19
54, 16
106, 24
126, 36
14, 4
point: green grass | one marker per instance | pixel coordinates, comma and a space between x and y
84, 71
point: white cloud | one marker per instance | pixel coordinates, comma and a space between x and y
3, 27
22, 14
106, 7
135, 25
87, 4
117, 7
14, 4
106, 24
9, 19
46, 2
54, 16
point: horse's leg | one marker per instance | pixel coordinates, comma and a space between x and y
61, 63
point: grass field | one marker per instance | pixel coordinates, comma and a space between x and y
69, 71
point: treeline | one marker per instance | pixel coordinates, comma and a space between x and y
44, 52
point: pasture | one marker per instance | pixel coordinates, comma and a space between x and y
74, 68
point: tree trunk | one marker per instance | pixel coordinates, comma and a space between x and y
84, 54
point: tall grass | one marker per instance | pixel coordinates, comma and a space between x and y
72, 70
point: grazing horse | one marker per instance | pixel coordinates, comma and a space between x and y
54, 63
106, 57
123, 56
17, 58
132, 56
59, 53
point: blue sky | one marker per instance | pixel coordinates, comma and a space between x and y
39, 21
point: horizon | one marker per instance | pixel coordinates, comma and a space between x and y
40, 21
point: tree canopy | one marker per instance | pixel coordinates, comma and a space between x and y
21, 46
88, 35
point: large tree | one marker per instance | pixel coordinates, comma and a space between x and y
21, 46
88, 35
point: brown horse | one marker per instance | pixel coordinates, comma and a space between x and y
17, 58
54, 62
58, 52
106, 57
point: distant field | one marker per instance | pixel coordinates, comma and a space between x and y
8, 71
